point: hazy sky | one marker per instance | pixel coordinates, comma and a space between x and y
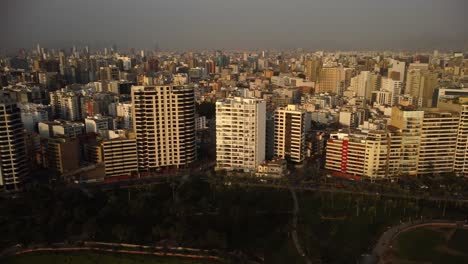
230, 24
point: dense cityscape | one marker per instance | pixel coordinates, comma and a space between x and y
110, 115
117, 119
232, 132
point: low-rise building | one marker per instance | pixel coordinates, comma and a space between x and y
272, 169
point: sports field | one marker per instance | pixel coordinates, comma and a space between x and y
432, 245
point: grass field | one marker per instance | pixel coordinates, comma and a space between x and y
433, 245
95, 258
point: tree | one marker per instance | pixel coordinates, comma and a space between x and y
120, 232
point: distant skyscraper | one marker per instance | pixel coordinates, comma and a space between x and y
63, 63
313, 68
222, 61
153, 65
164, 122
13, 159
331, 80
240, 133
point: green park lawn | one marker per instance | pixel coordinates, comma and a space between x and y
429, 245
95, 258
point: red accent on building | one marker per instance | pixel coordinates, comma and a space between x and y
346, 175
344, 155
90, 108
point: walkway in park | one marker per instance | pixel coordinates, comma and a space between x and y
294, 234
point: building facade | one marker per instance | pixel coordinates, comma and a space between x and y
164, 123
460, 165
13, 157
290, 130
120, 156
438, 142
240, 133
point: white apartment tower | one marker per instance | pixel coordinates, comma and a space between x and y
290, 133
13, 160
164, 123
240, 133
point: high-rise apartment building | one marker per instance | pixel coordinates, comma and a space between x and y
370, 154
164, 122
415, 143
240, 133
460, 165
410, 123
438, 141
290, 130
13, 158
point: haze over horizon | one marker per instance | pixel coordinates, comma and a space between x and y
240, 24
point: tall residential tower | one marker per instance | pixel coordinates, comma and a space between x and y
240, 133
164, 123
290, 131
13, 159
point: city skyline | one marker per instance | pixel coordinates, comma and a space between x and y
248, 131
208, 24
